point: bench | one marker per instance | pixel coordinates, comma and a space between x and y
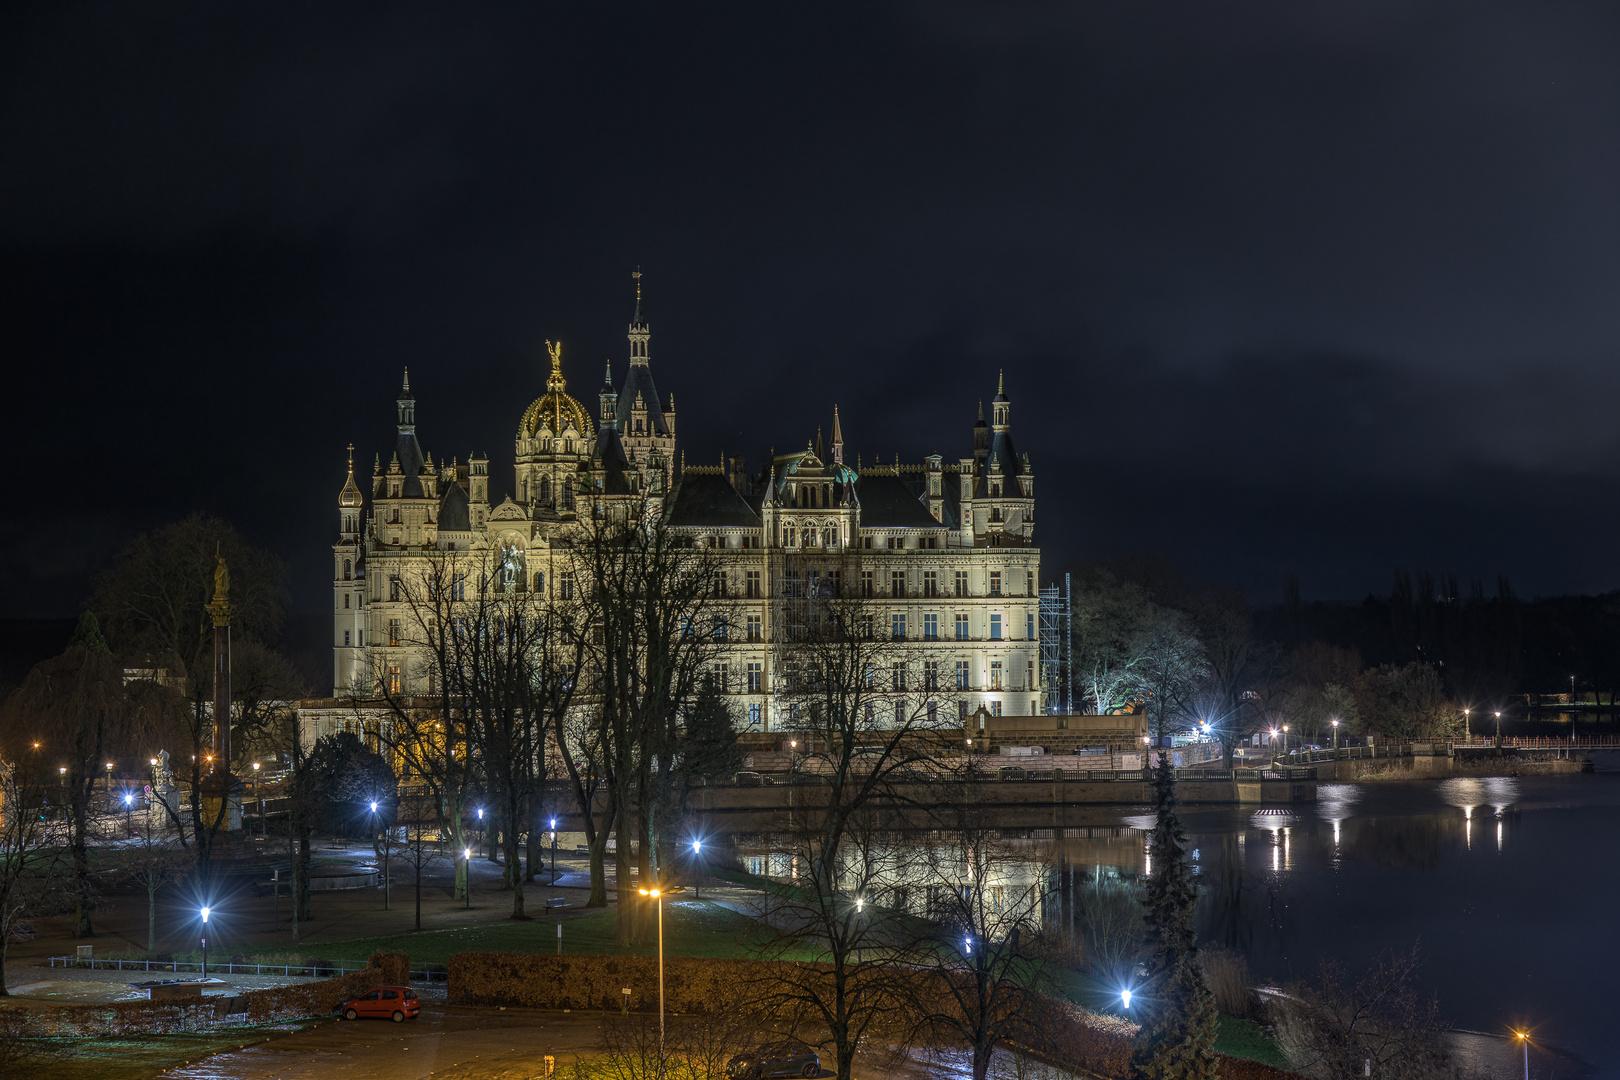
556, 902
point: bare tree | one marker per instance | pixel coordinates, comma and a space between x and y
27, 856
1377, 1025
156, 859
867, 721
648, 624
423, 844
986, 949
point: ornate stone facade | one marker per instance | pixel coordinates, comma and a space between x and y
944, 549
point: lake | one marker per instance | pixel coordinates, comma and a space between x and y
1508, 884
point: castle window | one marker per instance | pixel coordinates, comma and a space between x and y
930, 583
545, 491
995, 583
995, 674
458, 587
752, 584
393, 632
393, 587
897, 542
753, 722
345, 601
1029, 584
1029, 626
348, 569
995, 708
754, 628
345, 637
393, 678
962, 627
565, 584
962, 675
931, 675
866, 581
930, 627
540, 582
897, 627
961, 583
995, 628
897, 582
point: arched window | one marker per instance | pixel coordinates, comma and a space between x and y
540, 582
348, 569
545, 491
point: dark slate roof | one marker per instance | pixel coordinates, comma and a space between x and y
611, 458
708, 499
640, 380
409, 452
888, 502
1001, 448
453, 513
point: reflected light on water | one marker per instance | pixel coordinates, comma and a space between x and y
1498, 834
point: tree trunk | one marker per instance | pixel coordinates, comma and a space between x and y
513, 877
598, 857
623, 887
81, 865
151, 917
536, 852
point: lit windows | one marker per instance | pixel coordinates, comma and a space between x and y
995, 583
755, 680
995, 674
930, 627
897, 626
961, 627
961, 674
995, 628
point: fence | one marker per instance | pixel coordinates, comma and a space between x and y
303, 971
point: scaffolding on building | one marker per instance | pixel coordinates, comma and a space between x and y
1055, 636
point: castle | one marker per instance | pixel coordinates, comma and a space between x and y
945, 550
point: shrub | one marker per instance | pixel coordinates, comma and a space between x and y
1227, 973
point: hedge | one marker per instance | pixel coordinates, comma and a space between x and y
197, 1013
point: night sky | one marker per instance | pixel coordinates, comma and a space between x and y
1277, 286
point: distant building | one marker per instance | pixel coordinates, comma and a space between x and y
945, 549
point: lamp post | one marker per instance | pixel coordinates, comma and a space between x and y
1125, 998
129, 828
205, 944
1524, 1037
1499, 729
109, 781
1466, 735
697, 880
257, 798
554, 851
1335, 734
376, 823
658, 895
466, 858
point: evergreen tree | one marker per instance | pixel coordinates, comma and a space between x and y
1178, 1039
709, 749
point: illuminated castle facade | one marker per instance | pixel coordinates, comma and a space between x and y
944, 549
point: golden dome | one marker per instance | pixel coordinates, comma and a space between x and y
556, 410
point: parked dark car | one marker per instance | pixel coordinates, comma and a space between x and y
775, 1059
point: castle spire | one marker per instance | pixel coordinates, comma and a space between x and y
837, 439
640, 332
407, 406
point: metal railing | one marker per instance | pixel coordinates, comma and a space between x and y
303, 971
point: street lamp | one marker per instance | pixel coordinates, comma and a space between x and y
554, 851
1499, 729
376, 822
658, 895
109, 781
697, 881
466, 858
1335, 734
1524, 1037
1466, 734
256, 797
1125, 997
129, 830
205, 944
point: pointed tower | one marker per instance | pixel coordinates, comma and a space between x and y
349, 504
646, 431
837, 439
610, 397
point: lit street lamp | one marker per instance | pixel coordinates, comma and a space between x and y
554, 851
1524, 1037
1498, 729
466, 858
658, 895
205, 944
1335, 734
1125, 997
129, 829
257, 798
697, 881
375, 823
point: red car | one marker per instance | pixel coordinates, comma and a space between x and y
396, 1003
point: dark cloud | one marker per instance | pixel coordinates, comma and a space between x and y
1277, 286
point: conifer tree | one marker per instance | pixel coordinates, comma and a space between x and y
1178, 1039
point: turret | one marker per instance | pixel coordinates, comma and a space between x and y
610, 397
349, 504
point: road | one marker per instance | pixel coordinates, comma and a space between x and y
446, 1043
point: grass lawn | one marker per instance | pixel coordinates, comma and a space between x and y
691, 928
138, 1058
1244, 1039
